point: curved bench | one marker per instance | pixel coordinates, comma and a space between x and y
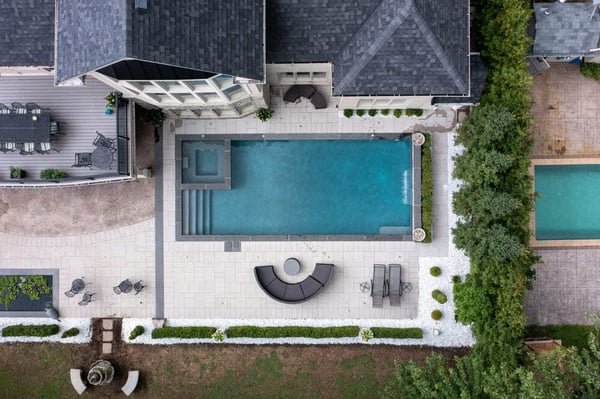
293, 293
306, 91
132, 381
77, 381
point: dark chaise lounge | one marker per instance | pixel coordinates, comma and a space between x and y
395, 285
292, 293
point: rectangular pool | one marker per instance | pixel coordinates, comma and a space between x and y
567, 206
308, 187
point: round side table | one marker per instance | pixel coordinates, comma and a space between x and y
291, 266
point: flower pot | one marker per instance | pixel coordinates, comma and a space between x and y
108, 111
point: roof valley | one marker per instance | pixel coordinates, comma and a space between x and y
439, 51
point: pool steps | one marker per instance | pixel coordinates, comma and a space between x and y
196, 210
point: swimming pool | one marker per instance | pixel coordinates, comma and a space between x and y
307, 187
567, 206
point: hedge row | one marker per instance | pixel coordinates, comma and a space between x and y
426, 188
397, 333
292, 331
183, 332
285, 332
21, 330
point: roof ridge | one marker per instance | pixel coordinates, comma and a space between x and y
439, 51
369, 39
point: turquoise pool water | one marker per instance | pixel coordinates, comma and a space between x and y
568, 202
314, 187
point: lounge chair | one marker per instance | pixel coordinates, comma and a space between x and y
378, 285
395, 285
298, 91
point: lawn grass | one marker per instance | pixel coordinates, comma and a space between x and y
570, 335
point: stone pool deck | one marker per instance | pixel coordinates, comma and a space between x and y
566, 130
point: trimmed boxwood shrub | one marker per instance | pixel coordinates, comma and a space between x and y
22, 330
360, 112
397, 113
435, 271
397, 333
439, 296
372, 112
136, 332
292, 331
71, 332
183, 332
436, 314
348, 113
426, 188
385, 112
456, 279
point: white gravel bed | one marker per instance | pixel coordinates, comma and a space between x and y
84, 326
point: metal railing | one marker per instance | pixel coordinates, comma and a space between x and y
122, 136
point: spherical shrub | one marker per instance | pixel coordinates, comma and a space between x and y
136, 332
348, 113
385, 112
397, 113
435, 271
439, 296
372, 112
436, 314
360, 112
456, 279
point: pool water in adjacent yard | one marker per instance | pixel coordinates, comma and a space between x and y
309, 187
568, 203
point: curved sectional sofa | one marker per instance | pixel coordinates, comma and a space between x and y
292, 293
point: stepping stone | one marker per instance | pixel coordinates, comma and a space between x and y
107, 336
106, 348
107, 324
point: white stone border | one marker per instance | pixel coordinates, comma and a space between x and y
84, 326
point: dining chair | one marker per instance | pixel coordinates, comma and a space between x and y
28, 149
138, 287
8, 147
45, 148
103, 141
19, 108
4, 109
33, 108
82, 160
55, 128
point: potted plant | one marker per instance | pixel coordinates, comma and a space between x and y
111, 101
16, 172
263, 114
52, 174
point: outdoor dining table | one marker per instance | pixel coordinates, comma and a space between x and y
102, 158
25, 128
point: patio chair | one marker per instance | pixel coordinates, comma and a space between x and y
77, 286
33, 108
4, 109
82, 160
19, 108
87, 298
124, 287
395, 285
27, 149
378, 285
55, 128
8, 147
138, 287
103, 141
45, 148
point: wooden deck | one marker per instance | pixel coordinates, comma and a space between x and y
80, 112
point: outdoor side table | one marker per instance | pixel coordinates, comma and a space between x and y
291, 266
102, 158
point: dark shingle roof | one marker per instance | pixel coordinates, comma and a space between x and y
213, 36
27, 33
385, 47
478, 75
565, 29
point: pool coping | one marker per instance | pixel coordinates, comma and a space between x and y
557, 244
416, 187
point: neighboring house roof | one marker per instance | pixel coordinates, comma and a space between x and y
565, 29
212, 36
27, 33
384, 47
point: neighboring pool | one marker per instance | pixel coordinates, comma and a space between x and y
568, 202
308, 187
